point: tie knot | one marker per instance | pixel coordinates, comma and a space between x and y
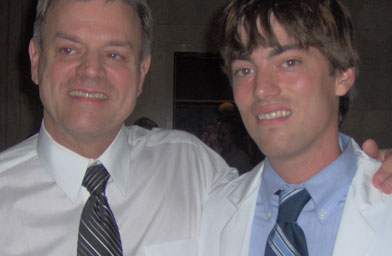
95, 179
291, 203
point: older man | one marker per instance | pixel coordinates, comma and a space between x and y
90, 59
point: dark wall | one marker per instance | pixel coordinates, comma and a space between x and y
371, 113
21, 112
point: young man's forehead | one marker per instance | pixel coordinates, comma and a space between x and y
265, 32
274, 51
276, 37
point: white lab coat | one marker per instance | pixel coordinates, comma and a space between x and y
365, 229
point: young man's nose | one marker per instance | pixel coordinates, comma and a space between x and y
265, 86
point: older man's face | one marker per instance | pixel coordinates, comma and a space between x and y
89, 70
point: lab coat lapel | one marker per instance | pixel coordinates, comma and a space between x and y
235, 236
362, 216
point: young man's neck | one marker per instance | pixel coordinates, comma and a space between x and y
300, 168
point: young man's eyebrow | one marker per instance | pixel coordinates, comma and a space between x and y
275, 51
242, 57
283, 48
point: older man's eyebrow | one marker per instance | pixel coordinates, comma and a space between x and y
119, 43
66, 36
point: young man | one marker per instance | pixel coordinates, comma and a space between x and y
292, 65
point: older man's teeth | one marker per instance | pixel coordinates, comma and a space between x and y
88, 95
274, 115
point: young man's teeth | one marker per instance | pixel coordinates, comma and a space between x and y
274, 115
88, 95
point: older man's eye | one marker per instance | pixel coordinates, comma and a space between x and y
114, 56
67, 51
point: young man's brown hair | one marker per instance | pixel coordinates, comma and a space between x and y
323, 24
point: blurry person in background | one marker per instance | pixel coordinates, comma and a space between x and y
230, 136
146, 123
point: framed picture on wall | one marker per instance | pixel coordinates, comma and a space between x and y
200, 87
204, 106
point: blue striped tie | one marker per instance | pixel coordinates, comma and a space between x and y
287, 238
98, 231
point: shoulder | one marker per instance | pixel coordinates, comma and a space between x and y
365, 164
18, 154
240, 188
167, 145
158, 136
362, 188
178, 152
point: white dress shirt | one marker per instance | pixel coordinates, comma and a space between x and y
159, 181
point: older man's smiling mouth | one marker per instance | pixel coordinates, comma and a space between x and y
89, 95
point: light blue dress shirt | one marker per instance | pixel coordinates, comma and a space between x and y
321, 216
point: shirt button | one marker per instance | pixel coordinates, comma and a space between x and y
322, 214
269, 214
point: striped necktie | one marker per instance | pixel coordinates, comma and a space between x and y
287, 238
98, 231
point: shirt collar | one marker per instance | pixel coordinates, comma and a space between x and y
334, 180
68, 168
116, 160
271, 182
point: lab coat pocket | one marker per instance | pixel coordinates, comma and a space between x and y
186, 247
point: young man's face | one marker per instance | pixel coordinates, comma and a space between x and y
288, 99
89, 70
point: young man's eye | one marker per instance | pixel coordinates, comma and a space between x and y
243, 72
290, 63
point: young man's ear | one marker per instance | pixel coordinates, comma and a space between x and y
34, 53
344, 81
